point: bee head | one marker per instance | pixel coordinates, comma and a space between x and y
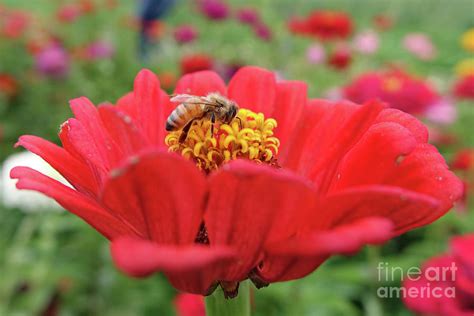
232, 112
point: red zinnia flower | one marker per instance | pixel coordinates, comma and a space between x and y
325, 25
464, 159
340, 58
268, 199
399, 89
196, 62
13, 24
68, 13
464, 88
8, 85
450, 278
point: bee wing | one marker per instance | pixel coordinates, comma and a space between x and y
182, 98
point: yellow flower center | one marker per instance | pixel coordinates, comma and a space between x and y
392, 84
248, 136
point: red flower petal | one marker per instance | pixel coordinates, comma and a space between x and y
406, 209
140, 257
160, 194
69, 167
375, 157
85, 146
122, 130
246, 203
253, 88
147, 100
290, 102
339, 129
78, 204
417, 129
300, 255
424, 170
88, 115
314, 111
201, 83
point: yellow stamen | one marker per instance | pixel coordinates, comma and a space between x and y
248, 136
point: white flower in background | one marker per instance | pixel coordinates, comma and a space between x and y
27, 201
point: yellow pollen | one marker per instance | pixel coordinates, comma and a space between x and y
248, 136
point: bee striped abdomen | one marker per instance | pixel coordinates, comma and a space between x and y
183, 113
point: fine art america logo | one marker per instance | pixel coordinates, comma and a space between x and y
429, 278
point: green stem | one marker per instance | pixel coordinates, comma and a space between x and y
217, 305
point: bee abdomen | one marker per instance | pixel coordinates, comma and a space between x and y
180, 116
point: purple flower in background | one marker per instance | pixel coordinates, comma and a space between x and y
315, 54
185, 34
442, 112
419, 45
214, 9
263, 32
366, 42
100, 50
53, 61
248, 16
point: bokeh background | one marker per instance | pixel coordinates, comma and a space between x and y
51, 263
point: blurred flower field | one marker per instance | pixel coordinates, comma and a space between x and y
415, 55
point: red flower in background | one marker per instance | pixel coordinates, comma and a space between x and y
340, 58
464, 159
68, 13
8, 85
325, 25
348, 175
383, 22
13, 24
196, 62
464, 88
454, 288
399, 89
189, 305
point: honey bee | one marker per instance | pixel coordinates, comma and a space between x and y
191, 107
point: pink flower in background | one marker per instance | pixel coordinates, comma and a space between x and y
53, 61
189, 305
214, 9
442, 112
185, 34
419, 45
397, 88
449, 279
248, 16
100, 50
263, 32
366, 42
316, 54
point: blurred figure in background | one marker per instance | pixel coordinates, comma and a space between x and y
150, 12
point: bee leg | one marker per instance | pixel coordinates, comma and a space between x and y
213, 121
240, 121
184, 133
